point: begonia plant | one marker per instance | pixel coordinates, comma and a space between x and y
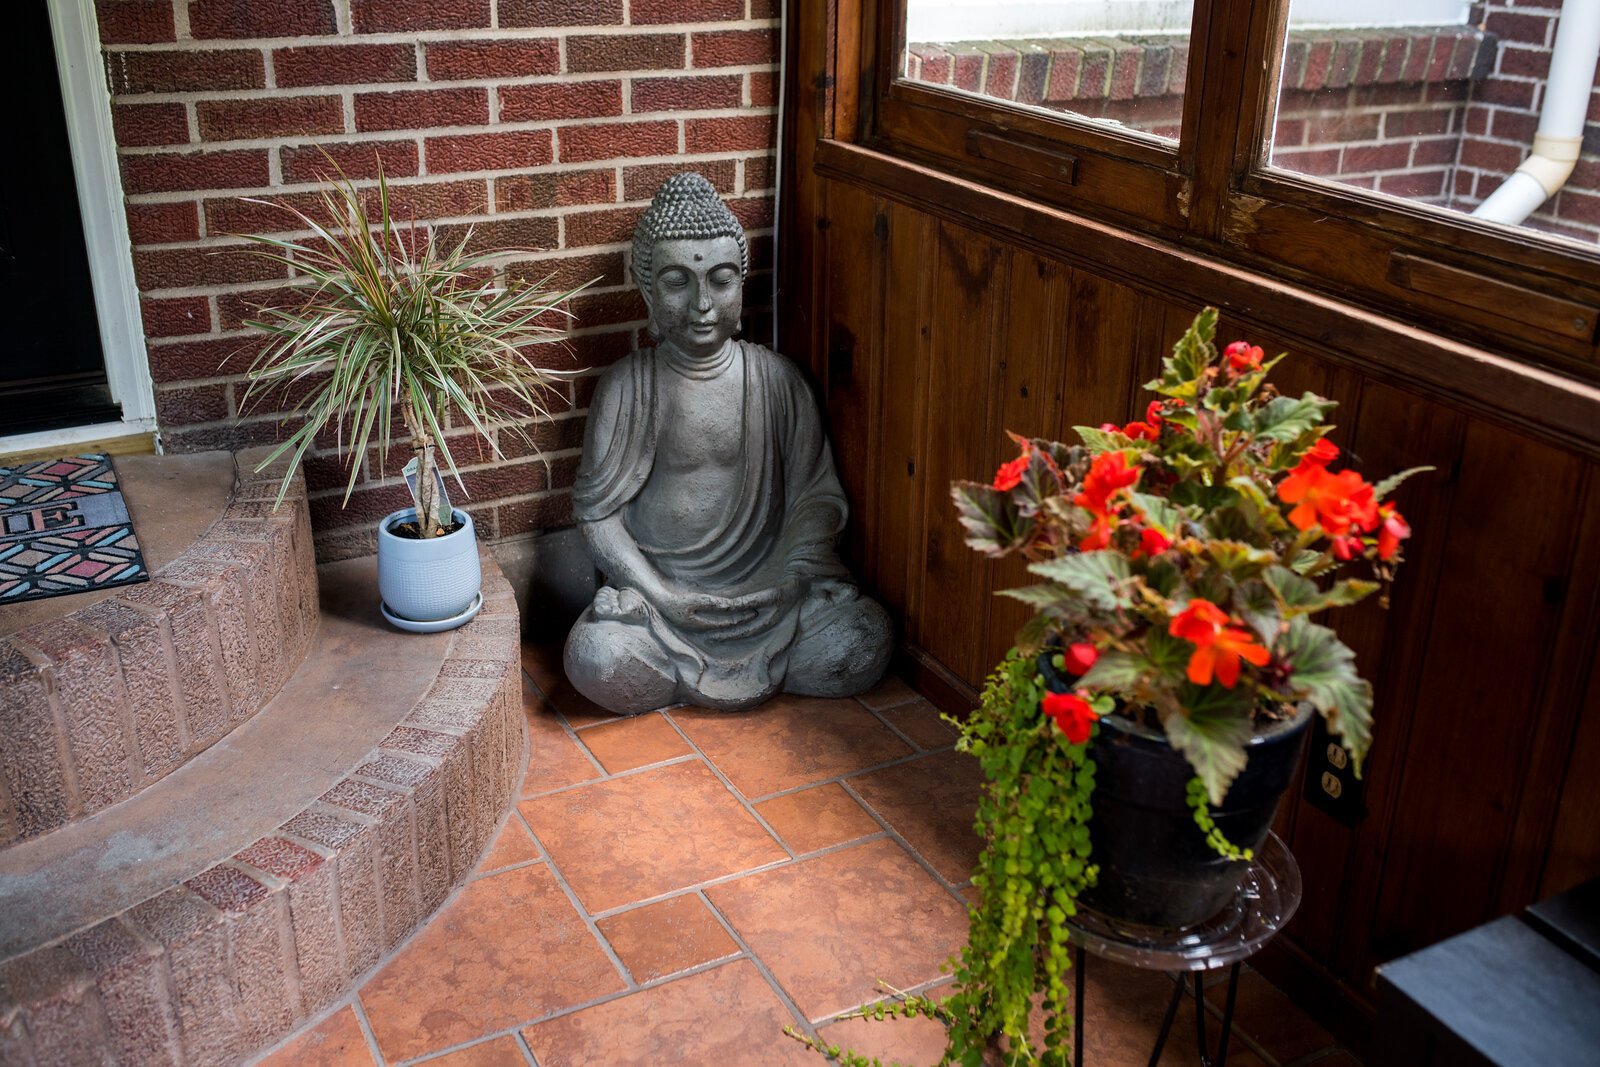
1184, 558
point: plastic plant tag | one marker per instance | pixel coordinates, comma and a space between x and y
445, 513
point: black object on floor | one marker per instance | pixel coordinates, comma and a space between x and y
1516, 991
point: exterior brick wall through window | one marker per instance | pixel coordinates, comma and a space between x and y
543, 126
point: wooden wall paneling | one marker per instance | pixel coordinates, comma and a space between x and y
1553, 726
966, 293
1487, 659
856, 238
1395, 429
1028, 397
1574, 851
1553, 407
901, 477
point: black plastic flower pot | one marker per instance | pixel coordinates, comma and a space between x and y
1156, 868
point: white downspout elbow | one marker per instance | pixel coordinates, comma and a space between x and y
1566, 109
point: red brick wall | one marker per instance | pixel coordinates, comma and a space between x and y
1504, 114
545, 124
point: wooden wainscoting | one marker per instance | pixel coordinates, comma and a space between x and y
930, 335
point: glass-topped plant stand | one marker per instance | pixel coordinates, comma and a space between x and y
1267, 897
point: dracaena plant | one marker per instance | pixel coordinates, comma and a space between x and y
1184, 557
394, 325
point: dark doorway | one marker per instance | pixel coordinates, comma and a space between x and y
52, 369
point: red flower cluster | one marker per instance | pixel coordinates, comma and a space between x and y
1218, 646
1009, 476
1108, 475
1339, 503
1072, 714
1243, 357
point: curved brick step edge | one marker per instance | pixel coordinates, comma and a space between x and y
227, 963
99, 704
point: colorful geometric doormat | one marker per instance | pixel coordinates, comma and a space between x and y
64, 528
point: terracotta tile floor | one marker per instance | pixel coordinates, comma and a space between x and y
677, 887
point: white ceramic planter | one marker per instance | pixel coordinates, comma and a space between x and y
426, 581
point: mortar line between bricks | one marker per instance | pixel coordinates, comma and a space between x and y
460, 35
360, 1010
474, 129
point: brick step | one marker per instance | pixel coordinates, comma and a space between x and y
104, 694
213, 912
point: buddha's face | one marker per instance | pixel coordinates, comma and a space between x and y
696, 293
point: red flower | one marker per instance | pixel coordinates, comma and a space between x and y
1099, 535
1199, 623
1072, 714
1218, 646
1152, 413
1336, 502
1009, 476
1222, 657
1243, 357
1079, 657
1138, 430
1153, 541
1108, 474
1394, 530
1347, 548
1320, 454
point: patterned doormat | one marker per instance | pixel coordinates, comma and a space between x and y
64, 528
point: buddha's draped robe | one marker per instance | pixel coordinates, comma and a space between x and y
770, 527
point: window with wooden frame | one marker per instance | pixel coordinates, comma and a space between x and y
1315, 140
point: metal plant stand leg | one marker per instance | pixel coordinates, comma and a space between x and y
1265, 900
1227, 1018
1166, 1021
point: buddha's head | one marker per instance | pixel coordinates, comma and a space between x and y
690, 260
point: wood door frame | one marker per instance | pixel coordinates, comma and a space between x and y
87, 106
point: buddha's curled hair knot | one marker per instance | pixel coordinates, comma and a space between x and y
686, 207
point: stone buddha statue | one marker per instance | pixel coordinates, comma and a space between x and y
707, 496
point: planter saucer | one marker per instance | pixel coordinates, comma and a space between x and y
433, 626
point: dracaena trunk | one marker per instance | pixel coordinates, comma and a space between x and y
426, 493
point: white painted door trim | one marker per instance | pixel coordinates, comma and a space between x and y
87, 104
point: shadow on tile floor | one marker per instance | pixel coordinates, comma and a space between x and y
679, 886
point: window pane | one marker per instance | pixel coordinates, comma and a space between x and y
1438, 102
1121, 62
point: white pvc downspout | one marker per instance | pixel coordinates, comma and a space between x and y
1566, 109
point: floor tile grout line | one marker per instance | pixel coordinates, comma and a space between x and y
728, 785
892, 728
516, 1028
922, 861
724, 879
761, 968
360, 1011
839, 778
527, 1050
583, 913
920, 989
607, 777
